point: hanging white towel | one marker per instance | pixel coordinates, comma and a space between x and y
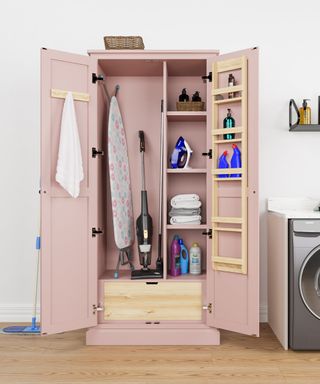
69, 166
185, 220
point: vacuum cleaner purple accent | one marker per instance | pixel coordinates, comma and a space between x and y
144, 228
181, 154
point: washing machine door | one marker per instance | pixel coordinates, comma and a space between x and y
309, 282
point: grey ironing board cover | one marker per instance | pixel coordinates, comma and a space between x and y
119, 173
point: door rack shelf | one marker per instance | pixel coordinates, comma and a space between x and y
227, 101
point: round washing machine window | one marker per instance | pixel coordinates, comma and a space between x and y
309, 282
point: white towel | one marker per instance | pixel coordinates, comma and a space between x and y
69, 166
185, 220
185, 196
186, 204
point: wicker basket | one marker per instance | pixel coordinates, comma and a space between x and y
123, 42
190, 106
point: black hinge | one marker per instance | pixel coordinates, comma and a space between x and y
96, 231
96, 152
209, 153
96, 78
208, 233
208, 77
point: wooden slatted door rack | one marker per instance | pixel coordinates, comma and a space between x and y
222, 224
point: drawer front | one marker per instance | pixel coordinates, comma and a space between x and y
162, 301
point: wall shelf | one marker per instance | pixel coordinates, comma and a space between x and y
305, 128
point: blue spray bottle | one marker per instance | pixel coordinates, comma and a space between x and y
223, 163
236, 160
184, 258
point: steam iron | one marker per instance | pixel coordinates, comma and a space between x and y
181, 154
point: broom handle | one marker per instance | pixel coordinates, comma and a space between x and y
161, 178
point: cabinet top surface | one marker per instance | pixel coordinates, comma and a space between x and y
162, 53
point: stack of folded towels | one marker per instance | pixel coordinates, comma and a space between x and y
185, 209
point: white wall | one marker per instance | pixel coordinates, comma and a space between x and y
287, 35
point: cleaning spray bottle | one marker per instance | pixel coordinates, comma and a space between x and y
223, 163
305, 113
174, 268
229, 122
195, 259
184, 258
236, 160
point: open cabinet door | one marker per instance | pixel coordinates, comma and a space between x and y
68, 250
233, 288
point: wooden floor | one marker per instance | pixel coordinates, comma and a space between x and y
66, 359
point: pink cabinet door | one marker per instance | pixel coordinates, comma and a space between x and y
68, 250
233, 283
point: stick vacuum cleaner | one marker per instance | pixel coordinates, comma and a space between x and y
144, 228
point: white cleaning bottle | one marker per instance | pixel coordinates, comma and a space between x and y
195, 259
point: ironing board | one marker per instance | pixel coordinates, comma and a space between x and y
120, 186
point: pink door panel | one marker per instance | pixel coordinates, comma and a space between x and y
234, 296
69, 253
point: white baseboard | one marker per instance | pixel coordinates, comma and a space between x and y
264, 313
15, 313
23, 313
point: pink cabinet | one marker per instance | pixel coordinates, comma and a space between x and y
78, 255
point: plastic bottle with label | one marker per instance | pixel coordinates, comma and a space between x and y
195, 259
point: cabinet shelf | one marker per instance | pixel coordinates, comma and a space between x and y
186, 226
188, 170
186, 116
188, 277
227, 179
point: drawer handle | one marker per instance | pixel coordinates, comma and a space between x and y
151, 282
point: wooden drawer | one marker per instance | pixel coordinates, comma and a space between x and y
162, 301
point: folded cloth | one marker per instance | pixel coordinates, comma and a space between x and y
185, 197
185, 220
184, 212
69, 166
186, 204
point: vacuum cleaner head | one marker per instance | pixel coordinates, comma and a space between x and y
181, 154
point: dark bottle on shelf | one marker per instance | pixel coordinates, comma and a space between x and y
229, 122
231, 83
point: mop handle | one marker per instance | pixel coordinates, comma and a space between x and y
142, 150
38, 245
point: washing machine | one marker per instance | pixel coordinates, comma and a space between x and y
304, 284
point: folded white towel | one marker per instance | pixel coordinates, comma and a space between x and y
187, 204
185, 220
69, 166
186, 196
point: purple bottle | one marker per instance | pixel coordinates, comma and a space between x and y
175, 269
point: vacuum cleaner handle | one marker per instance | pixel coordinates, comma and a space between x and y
142, 143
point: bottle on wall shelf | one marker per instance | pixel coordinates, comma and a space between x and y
184, 258
229, 122
231, 83
195, 259
236, 160
223, 163
305, 113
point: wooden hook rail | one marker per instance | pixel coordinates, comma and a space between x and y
61, 94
